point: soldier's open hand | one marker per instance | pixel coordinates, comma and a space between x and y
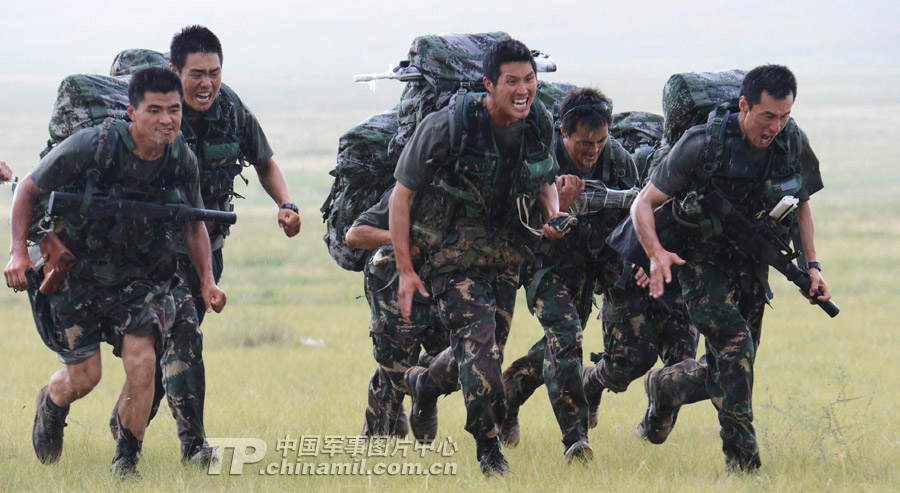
661, 271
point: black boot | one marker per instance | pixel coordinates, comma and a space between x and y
49, 422
490, 457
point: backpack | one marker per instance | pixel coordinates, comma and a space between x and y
446, 63
639, 133
86, 100
364, 171
689, 97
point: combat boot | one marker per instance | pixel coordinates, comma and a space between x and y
593, 391
658, 420
203, 457
47, 434
580, 451
128, 454
509, 430
423, 418
490, 457
401, 426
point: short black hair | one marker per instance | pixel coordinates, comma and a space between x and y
193, 39
588, 107
152, 79
508, 50
777, 80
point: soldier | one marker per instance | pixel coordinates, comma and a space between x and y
119, 289
396, 343
494, 159
724, 291
223, 133
560, 285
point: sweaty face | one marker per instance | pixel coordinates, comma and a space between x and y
201, 77
584, 145
511, 97
762, 123
157, 119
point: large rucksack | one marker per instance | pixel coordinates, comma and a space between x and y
86, 100
444, 63
689, 97
639, 133
364, 171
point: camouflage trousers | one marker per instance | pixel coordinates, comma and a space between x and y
636, 331
476, 306
725, 299
82, 313
181, 374
396, 345
555, 360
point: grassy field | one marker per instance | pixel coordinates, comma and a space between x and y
290, 356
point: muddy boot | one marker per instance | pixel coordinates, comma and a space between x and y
423, 418
49, 422
658, 420
490, 457
593, 391
202, 457
128, 454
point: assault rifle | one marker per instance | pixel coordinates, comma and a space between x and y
759, 242
596, 197
100, 206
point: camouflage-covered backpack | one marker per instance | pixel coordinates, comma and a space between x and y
689, 97
130, 61
639, 133
445, 62
364, 171
85, 100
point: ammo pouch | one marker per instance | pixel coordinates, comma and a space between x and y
58, 262
431, 213
470, 244
673, 236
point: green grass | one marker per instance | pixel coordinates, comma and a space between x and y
291, 356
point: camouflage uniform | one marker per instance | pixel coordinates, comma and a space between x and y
396, 344
560, 292
222, 138
724, 291
473, 274
121, 282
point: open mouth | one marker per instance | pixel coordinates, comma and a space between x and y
520, 103
203, 97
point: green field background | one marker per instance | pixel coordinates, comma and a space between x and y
290, 355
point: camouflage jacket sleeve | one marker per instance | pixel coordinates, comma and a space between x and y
426, 151
67, 161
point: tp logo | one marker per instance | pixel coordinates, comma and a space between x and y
246, 451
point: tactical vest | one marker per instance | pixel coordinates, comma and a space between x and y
470, 174
729, 169
218, 152
111, 250
587, 243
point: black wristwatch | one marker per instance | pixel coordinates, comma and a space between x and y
291, 207
814, 265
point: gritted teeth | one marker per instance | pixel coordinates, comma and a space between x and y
520, 103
